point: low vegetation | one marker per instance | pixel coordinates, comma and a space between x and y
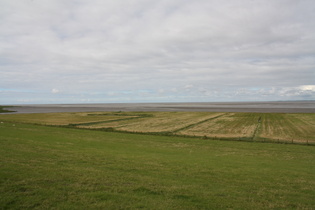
295, 127
268, 127
48, 167
233, 125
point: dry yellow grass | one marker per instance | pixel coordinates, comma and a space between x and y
160, 122
296, 127
229, 125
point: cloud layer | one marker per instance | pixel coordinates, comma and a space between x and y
56, 51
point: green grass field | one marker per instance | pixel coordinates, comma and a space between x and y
44, 167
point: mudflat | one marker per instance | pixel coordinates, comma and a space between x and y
257, 107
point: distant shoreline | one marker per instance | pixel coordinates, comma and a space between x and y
257, 107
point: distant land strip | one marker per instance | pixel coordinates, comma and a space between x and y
255, 107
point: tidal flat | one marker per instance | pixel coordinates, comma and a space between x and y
260, 107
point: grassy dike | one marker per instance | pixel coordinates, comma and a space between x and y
49, 167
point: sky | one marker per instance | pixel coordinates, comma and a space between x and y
129, 51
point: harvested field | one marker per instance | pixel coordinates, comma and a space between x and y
159, 122
274, 127
294, 127
229, 125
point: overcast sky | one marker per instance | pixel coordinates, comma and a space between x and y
105, 51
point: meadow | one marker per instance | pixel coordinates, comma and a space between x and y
48, 167
157, 160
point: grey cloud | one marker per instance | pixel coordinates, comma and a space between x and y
153, 48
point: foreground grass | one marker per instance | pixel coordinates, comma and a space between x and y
49, 167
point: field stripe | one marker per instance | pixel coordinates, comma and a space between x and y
197, 123
108, 121
255, 134
103, 121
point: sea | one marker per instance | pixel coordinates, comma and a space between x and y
258, 107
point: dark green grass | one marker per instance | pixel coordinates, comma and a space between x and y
49, 167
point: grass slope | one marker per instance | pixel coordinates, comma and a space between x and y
48, 167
